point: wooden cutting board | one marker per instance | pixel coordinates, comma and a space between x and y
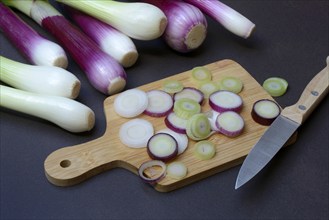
71, 165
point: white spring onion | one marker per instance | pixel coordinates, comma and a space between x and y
37, 49
64, 112
226, 16
187, 26
48, 80
109, 39
103, 72
138, 20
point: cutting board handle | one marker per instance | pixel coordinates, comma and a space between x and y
312, 95
74, 164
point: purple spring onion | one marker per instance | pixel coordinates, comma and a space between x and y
109, 39
187, 26
138, 20
35, 48
225, 15
103, 72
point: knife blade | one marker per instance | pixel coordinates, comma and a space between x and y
283, 127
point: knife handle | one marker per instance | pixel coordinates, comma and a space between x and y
312, 95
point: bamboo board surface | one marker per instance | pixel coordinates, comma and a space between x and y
74, 164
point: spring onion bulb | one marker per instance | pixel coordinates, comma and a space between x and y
226, 16
37, 49
138, 20
187, 26
109, 39
64, 112
48, 80
103, 72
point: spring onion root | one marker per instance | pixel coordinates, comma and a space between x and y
226, 16
48, 80
187, 26
37, 49
138, 20
64, 112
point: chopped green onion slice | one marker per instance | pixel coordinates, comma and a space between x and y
204, 150
201, 74
208, 87
231, 83
172, 86
275, 86
186, 108
198, 127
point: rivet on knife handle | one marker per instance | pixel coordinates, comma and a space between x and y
312, 95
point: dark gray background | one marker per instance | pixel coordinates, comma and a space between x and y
291, 41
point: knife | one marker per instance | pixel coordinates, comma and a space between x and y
283, 127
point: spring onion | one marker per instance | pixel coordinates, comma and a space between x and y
160, 103
190, 93
152, 171
186, 108
37, 49
231, 83
265, 111
198, 127
181, 139
187, 26
226, 16
230, 123
223, 100
64, 112
103, 72
212, 116
172, 86
275, 86
48, 80
138, 20
207, 88
204, 150
162, 146
176, 170
175, 123
109, 39
135, 133
201, 74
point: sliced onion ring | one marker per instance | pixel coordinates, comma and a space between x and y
223, 100
175, 123
265, 111
176, 170
230, 123
160, 103
190, 93
151, 178
162, 146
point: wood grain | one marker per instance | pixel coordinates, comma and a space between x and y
71, 165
